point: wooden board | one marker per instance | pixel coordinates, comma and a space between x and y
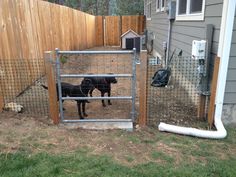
143, 89
211, 109
52, 91
1, 103
201, 107
28, 28
112, 30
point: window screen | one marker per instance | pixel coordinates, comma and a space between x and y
196, 6
157, 4
162, 3
182, 6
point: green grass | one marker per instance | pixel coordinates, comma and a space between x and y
162, 156
81, 164
196, 157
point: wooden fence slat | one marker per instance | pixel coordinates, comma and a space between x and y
211, 109
52, 91
1, 103
28, 28
143, 89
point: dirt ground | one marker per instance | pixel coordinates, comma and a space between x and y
20, 132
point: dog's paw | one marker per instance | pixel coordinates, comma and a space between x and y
103, 105
109, 103
85, 115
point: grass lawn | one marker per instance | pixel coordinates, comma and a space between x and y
31, 148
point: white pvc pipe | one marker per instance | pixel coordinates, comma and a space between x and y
224, 51
218, 134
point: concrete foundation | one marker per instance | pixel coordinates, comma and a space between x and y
229, 114
100, 125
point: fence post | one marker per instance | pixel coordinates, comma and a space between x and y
211, 110
143, 89
1, 103
52, 91
201, 107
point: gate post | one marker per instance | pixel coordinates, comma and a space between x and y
52, 91
142, 121
1, 103
211, 109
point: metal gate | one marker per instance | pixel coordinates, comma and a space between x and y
81, 75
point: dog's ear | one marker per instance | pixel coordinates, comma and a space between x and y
87, 81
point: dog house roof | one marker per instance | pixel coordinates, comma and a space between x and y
129, 31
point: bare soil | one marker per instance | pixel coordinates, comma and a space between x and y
37, 134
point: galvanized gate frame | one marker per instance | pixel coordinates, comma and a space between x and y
59, 76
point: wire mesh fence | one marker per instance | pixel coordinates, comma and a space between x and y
100, 64
178, 100
20, 86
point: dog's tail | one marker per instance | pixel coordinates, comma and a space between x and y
45, 87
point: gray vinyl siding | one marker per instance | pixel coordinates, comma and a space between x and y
159, 26
230, 90
184, 32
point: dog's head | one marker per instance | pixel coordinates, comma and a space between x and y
87, 83
111, 79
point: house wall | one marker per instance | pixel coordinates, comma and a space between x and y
229, 107
184, 32
182, 35
230, 90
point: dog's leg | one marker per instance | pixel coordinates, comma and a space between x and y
83, 109
109, 94
62, 104
79, 109
91, 91
103, 103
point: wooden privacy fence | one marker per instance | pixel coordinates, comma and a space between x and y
30, 27
110, 28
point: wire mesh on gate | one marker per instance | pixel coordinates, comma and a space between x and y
99, 64
177, 102
20, 86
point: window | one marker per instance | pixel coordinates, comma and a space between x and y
160, 5
190, 9
148, 9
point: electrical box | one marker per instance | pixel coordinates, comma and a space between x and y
198, 49
171, 10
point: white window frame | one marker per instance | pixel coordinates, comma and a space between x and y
158, 3
148, 3
188, 16
161, 7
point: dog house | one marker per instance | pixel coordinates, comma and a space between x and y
130, 40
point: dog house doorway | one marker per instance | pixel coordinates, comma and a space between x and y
87, 64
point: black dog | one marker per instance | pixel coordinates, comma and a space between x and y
103, 84
76, 91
